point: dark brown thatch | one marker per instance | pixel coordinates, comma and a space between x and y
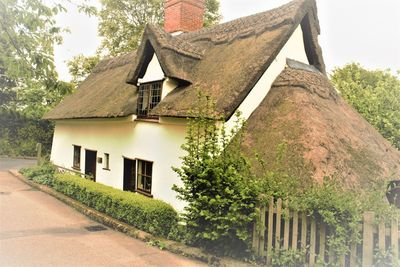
224, 61
104, 94
304, 128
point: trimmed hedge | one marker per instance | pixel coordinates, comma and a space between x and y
147, 214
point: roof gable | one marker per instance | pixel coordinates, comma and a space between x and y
237, 54
177, 57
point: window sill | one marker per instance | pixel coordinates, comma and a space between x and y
106, 169
76, 168
147, 194
148, 119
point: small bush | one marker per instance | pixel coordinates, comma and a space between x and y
43, 174
150, 215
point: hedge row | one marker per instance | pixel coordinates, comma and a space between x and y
150, 215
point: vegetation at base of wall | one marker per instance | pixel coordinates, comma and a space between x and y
147, 214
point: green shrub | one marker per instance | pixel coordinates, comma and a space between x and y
216, 185
147, 214
43, 174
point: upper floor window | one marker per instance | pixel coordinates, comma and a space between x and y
149, 96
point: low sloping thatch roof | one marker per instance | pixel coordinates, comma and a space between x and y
104, 94
304, 128
224, 61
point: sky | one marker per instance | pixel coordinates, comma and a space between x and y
364, 31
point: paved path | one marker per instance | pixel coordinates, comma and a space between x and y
15, 164
38, 230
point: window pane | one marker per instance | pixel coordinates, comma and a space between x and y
77, 157
144, 175
106, 161
149, 96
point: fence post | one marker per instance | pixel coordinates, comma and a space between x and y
322, 237
39, 153
303, 230
270, 229
382, 236
394, 229
368, 239
256, 235
262, 233
286, 230
295, 228
353, 254
312, 242
278, 224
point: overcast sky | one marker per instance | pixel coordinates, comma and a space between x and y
364, 31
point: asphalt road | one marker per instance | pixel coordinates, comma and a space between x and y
16, 164
38, 230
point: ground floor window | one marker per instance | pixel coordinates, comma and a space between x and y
144, 175
106, 164
77, 157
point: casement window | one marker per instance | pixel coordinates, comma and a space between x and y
149, 96
77, 158
144, 176
106, 163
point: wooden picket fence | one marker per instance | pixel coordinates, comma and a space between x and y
278, 228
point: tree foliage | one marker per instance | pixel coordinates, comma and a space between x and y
28, 79
375, 94
122, 22
216, 185
80, 67
29, 84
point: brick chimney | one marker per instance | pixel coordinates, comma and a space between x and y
183, 15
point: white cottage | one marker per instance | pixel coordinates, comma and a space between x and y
127, 121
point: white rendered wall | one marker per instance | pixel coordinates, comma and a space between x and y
293, 49
156, 142
154, 71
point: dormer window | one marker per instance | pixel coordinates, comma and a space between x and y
149, 96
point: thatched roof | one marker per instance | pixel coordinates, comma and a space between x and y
225, 61
304, 128
104, 94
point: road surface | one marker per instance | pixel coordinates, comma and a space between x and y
38, 230
16, 164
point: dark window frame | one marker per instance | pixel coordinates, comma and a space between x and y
106, 163
76, 159
143, 175
149, 95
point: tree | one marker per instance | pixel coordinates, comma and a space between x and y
217, 185
375, 94
27, 38
80, 67
122, 22
28, 80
